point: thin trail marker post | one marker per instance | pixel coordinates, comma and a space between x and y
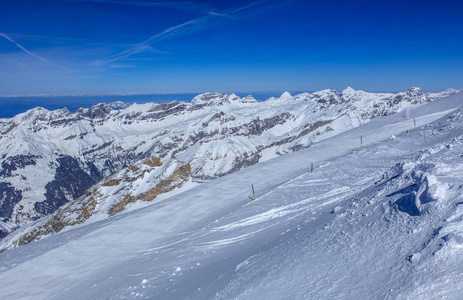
311, 168
253, 193
414, 122
361, 142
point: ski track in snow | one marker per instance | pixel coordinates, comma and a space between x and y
335, 233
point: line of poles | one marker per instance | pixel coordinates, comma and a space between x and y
311, 165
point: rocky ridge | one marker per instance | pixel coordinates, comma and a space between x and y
51, 158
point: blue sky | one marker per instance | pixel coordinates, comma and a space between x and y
66, 47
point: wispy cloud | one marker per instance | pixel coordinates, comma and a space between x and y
127, 53
29, 52
123, 53
256, 8
43, 37
211, 19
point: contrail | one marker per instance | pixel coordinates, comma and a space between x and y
175, 31
30, 53
211, 19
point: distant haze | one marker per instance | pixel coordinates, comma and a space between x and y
11, 106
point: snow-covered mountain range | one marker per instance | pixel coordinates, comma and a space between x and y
110, 158
382, 222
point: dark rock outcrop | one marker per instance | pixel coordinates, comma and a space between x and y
9, 196
70, 182
13, 163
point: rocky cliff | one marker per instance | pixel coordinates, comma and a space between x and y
51, 158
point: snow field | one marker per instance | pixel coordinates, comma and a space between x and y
336, 233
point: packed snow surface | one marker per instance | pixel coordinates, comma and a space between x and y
380, 222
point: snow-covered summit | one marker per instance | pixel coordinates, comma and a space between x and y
348, 91
120, 104
285, 95
215, 99
380, 222
447, 92
97, 111
417, 93
49, 158
205, 98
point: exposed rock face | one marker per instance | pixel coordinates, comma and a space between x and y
175, 180
16, 162
70, 183
48, 158
6, 227
109, 197
9, 197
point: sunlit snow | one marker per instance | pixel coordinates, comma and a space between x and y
380, 222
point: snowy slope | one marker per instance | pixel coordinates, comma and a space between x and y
48, 158
6, 227
381, 222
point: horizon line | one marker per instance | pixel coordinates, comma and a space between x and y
41, 95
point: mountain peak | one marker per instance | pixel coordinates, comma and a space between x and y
99, 110
414, 88
348, 91
205, 98
215, 99
415, 92
285, 95
248, 99
99, 141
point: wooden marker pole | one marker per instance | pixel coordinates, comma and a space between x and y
361, 142
414, 122
253, 193
311, 168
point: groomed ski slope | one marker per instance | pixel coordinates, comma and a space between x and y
331, 234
